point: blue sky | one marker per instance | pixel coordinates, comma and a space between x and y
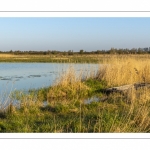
65, 34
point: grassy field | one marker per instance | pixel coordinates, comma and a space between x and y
50, 58
63, 107
76, 58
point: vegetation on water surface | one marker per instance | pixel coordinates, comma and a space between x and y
63, 107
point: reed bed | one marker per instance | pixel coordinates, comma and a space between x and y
125, 70
65, 110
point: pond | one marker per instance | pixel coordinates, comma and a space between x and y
25, 76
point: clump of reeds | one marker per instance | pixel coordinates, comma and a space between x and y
6, 101
125, 71
132, 114
135, 115
69, 84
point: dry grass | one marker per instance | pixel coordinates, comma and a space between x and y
125, 70
76, 58
68, 84
7, 55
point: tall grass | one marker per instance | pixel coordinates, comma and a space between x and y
69, 84
120, 71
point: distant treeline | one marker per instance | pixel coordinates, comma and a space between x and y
71, 52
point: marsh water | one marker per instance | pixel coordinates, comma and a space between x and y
25, 76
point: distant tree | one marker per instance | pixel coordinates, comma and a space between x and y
133, 51
64, 53
54, 52
119, 51
81, 51
44, 53
10, 51
112, 51
139, 51
98, 52
126, 51
48, 52
70, 52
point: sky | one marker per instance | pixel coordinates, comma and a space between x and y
63, 34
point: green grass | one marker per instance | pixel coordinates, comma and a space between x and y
51, 58
72, 114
